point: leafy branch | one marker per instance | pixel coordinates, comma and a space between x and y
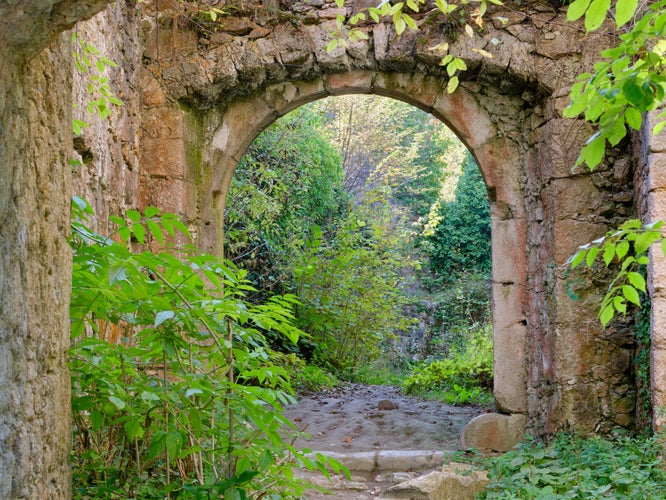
166, 357
629, 81
91, 63
627, 247
401, 15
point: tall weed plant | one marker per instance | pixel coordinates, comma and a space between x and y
174, 392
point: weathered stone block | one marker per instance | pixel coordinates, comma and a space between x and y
353, 82
509, 247
508, 304
658, 379
573, 197
164, 123
493, 431
402, 460
570, 234
466, 117
453, 482
510, 373
501, 164
419, 90
164, 158
657, 142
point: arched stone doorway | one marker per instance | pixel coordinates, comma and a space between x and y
498, 159
206, 102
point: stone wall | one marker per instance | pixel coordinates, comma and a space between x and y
35, 261
109, 150
651, 188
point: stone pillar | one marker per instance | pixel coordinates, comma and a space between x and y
654, 192
35, 276
35, 259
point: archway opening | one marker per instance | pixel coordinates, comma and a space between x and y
376, 217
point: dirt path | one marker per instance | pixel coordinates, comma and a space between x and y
356, 417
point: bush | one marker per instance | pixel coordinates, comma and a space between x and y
174, 390
576, 467
463, 377
311, 378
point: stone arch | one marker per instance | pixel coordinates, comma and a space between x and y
205, 102
498, 160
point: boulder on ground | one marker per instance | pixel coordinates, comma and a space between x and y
493, 431
454, 482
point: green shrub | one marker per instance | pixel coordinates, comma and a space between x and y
174, 389
464, 376
310, 378
387, 370
575, 467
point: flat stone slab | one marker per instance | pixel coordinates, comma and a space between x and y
387, 460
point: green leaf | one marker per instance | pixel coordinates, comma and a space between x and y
118, 403
634, 118
609, 253
133, 215
635, 93
591, 256
156, 231
192, 391
78, 126
96, 420
616, 132
409, 22
399, 23
596, 14
133, 429
620, 304
577, 9
577, 258
631, 294
645, 240
624, 11
139, 232
124, 233
174, 443
607, 314
637, 280
117, 273
332, 45
151, 212
163, 316
452, 85
593, 151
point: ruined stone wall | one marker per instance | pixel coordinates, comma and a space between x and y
215, 89
35, 263
109, 150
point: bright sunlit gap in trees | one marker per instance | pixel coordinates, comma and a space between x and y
375, 216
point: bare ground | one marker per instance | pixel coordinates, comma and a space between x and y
356, 417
